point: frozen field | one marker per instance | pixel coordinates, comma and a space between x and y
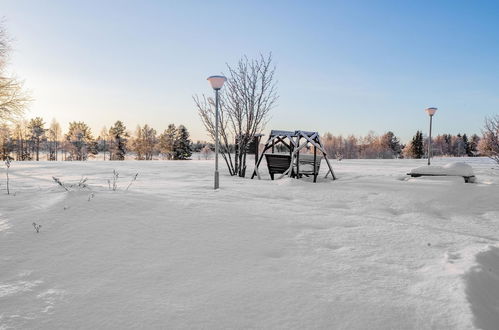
372, 250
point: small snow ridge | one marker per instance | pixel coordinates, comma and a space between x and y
16, 287
482, 289
50, 297
4, 225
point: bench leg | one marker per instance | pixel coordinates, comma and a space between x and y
272, 176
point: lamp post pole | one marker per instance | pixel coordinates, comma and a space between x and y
430, 112
217, 182
429, 141
216, 83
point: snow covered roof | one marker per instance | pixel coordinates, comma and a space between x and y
292, 133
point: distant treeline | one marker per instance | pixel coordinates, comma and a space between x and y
444, 145
28, 140
389, 146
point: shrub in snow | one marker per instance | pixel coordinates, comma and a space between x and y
113, 184
7, 163
80, 185
116, 175
59, 182
133, 180
37, 227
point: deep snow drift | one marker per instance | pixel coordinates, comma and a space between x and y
372, 250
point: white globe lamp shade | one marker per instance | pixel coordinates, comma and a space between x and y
216, 82
431, 111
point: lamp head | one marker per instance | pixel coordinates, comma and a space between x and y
431, 111
217, 82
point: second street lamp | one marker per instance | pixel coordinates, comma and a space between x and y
430, 112
216, 83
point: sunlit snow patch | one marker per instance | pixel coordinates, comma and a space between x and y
8, 289
4, 224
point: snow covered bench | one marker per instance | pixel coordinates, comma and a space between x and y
452, 169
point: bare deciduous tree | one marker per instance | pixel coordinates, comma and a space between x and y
245, 102
54, 137
489, 144
13, 98
206, 110
144, 143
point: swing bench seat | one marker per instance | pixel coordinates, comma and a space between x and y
277, 163
307, 165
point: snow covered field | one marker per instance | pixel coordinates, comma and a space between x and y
372, 250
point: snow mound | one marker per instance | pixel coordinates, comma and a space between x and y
458, 168
482, 289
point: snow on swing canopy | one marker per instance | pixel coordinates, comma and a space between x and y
217, 82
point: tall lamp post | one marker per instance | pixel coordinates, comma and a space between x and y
216, 83
430, 112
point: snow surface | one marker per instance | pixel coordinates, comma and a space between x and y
373, 250
454, 168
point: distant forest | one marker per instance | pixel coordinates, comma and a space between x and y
35, 140
389, 146
32, 140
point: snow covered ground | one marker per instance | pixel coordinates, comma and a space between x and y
372, 250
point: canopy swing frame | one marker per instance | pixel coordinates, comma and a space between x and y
294, 147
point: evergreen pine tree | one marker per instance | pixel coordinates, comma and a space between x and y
119, 138
37, 131
415, 148
467, 146
182, 146
167, 141
419, 150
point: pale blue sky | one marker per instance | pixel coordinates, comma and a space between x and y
342, 66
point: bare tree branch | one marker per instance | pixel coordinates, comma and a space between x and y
13, 99
489, 144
